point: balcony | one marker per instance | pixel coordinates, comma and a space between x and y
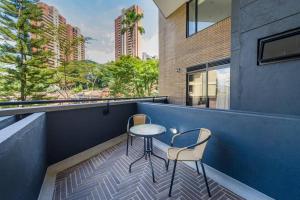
78, 152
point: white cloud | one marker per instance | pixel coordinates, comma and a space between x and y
150, 45
95, 18
100, 56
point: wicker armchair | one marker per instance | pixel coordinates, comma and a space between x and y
135, 120
190, 153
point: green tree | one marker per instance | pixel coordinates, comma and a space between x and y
67, 49
78, 75
130, 21
24, 60
132, 77
148, 76
92, 73
122, 73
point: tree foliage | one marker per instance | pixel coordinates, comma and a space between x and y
132, 77
63, 76
24, 70
23, 58
130, 22
77, 75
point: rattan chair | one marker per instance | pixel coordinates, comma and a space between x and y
189, 153
135, 120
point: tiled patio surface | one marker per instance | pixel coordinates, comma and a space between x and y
106, 176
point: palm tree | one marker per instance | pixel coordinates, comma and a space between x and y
130, 21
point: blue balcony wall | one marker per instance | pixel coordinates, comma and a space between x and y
259, 150
23, 161
6, 121
72, 131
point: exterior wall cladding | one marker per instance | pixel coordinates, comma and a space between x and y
272, 88
178, 51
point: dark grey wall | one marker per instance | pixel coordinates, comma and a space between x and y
259, 150
72, 131
6, 121
272, 88
23, 158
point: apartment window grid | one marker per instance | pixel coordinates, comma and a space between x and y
208, 85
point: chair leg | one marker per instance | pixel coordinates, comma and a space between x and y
127, 145
131, 138
168, 164
206, 183
145, 148
197, 167
172, 180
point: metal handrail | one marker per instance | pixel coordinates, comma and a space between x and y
14, 103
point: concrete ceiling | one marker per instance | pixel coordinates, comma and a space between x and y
167, 7
213, 10
210, 10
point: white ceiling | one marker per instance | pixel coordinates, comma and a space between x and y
210, 9
167, 7
213, 10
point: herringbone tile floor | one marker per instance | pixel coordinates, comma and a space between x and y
106, 177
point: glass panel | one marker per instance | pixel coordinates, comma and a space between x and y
219, 88
197, 89
192, 18
211, 12
283, 47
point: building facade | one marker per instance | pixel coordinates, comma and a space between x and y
52, 18
127, 43
194, 52
249, 63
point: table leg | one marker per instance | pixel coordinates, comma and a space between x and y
148, 152
153, 154
144, 155
136, 161
157, 155
153, 178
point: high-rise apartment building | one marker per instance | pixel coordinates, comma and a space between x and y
127, 44
52, 18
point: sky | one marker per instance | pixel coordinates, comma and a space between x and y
96, 18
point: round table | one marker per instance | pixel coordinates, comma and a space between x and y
148, 131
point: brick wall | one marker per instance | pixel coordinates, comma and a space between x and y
177, 51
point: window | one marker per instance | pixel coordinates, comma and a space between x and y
197, 89
204, 13
279, 47
210, 87
192, 18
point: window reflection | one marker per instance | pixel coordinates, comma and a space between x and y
197, 89
219, 88
204, 13
210, 89
192, 18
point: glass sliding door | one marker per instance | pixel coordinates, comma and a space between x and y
197, 90
210, 88
219, 88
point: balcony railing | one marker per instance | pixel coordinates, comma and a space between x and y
33, 106
78, 100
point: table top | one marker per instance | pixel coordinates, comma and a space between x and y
147, 130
